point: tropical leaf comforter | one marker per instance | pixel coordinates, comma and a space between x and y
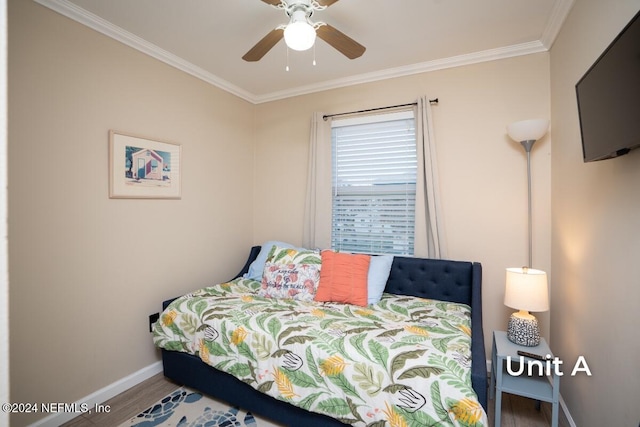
404, 361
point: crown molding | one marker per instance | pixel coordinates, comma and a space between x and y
424, 67
80, 15
561, 9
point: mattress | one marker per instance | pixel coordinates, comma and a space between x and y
403, 361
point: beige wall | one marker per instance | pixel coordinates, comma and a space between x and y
74, 253
86, 270
483, 173
596, 237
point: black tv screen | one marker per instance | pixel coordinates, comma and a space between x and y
609, 98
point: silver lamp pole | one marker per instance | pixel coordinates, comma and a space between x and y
528, 145
527, 132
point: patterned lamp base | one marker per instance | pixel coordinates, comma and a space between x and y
523, 331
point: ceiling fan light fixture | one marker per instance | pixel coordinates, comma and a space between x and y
299, 34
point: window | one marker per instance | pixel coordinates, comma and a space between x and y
374, 184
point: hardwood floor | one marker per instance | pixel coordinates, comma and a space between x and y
127, 404
516, 411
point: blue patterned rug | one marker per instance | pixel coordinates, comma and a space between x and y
188, 408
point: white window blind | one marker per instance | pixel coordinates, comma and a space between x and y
374, 184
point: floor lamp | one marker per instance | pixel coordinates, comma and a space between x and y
526, 289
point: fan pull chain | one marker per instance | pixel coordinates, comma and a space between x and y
287, 67
314, 54
314, 57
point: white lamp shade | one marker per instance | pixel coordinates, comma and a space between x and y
528, 130
526, 289
299, 35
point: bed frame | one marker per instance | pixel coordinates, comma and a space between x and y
454, 281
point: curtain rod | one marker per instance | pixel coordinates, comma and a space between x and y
326, 116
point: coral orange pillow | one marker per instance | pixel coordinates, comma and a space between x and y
343, 278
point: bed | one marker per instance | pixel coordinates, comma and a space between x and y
417, 385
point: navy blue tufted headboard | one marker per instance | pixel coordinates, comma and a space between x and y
425, 278
431, 278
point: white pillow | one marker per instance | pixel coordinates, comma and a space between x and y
257, 266
379, 269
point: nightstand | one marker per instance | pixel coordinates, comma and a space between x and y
523, 380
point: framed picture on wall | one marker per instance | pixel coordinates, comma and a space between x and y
143, 168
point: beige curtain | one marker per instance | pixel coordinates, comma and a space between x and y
317, 208
430, 241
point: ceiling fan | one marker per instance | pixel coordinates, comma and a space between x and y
300, 32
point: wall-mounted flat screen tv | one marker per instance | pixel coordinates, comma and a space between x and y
609, 98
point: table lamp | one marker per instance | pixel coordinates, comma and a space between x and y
526, 290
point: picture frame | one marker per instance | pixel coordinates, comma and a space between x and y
143, 168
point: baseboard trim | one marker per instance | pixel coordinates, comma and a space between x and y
565, 410
102, 395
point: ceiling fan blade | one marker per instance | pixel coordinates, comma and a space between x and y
340, 41
325, 2
320, 2
263, 46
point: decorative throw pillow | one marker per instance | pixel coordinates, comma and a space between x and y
343, 278
256, 268
291, 273
379, 269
